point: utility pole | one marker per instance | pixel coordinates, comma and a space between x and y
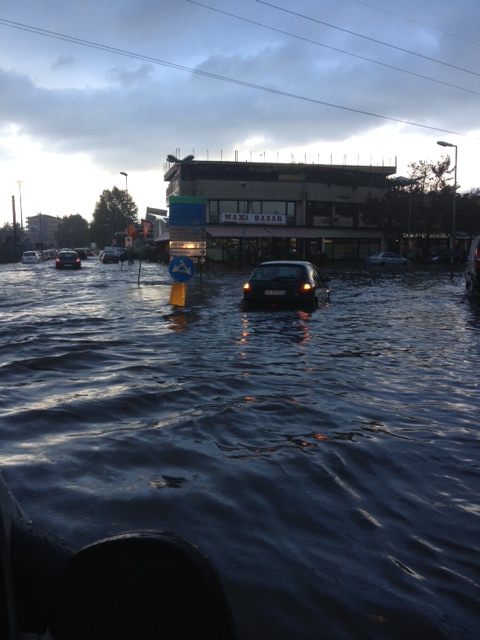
14, 223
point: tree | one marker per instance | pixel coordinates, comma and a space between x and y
113, 213
72, 232
422, 205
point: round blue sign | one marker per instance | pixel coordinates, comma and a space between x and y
181, 269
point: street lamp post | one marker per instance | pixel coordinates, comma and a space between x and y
243, 185
454, 204
123, 173
401, 181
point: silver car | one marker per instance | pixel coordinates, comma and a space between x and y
383, 258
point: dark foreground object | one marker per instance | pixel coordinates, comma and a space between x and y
135, 586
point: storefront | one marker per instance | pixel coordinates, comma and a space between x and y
262, 211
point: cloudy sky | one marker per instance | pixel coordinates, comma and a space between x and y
89, 89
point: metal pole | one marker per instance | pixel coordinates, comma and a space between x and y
442, 143
21, 212
454, 214
244, 216
123, 173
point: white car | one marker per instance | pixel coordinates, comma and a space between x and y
383, 258
31, 257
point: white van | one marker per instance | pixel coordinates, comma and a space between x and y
472, 274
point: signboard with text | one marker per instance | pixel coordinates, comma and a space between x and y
187, 226
253, 218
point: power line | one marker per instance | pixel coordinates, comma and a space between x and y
320, 44
420, 24
215, 76
359, 35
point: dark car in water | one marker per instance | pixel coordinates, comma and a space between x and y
285, 284
68, 260
446, 257
82, 254
109, 256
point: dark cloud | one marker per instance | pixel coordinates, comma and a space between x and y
185, 76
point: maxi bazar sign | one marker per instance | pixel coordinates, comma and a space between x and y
254, 218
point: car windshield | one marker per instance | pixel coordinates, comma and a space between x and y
279, 272
67, 254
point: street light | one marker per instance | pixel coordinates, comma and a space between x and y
243, 185
454, 232
401, 181
122, 173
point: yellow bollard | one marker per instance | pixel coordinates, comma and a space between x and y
178, 294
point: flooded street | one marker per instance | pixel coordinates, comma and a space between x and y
326, 462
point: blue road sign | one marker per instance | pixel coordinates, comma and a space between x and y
182, 269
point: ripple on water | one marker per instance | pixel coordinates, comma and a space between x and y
326, 462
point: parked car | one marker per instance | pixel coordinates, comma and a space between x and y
82, 254
285, 283
109, 256
383, 258
68, 260
445, 257
32, 257
472, 273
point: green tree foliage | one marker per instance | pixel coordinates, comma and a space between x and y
72, 232
113, 213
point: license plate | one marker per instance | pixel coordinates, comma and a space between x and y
274, 292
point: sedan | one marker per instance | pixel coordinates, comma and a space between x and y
110, 256
285, 283
68, 260
384, 258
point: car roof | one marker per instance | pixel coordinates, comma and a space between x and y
299, 263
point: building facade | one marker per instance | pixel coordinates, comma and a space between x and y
41, 231
260, 211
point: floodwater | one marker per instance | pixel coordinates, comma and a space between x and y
326, 462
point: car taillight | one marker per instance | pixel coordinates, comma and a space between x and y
246, 286
305, 287
477, 259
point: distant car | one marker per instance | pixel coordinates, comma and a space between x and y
472, 273
445, 257
82, 254
285, 283
32, 257
68, 260
383, 258
109, 256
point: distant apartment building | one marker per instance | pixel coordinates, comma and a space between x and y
41, 230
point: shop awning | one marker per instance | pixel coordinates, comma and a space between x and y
236, 231
294, 232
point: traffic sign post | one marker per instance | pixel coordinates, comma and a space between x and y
181, 269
